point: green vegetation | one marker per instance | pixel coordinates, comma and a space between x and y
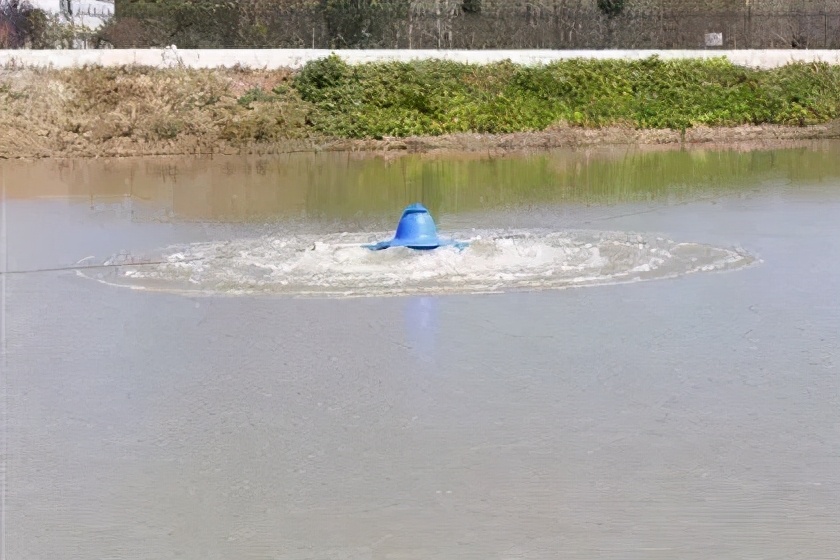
22, 26
437, 97
133, 109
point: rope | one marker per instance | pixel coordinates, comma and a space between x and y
75, 267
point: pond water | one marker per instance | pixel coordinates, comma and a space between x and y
682, 401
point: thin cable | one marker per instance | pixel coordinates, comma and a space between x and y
74, 267
651, 210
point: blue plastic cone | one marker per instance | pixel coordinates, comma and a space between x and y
415, 230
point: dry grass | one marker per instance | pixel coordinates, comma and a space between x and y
96, 111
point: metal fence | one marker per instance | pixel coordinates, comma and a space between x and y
516, 27
450, 24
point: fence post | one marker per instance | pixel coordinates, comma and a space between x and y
437, 17
749, 26
746, 32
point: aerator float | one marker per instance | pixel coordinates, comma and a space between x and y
417, 230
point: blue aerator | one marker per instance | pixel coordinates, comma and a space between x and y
416, 230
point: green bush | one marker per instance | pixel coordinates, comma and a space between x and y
255, 95
436, 97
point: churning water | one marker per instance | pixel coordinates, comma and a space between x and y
340, 266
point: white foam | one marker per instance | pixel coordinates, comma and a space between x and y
339, 266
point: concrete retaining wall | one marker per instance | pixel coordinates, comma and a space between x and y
295, 58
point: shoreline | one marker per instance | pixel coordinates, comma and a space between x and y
746, 137
131, 111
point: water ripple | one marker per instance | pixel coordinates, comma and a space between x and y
337, 266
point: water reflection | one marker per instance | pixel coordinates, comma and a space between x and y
422, 326
348, 187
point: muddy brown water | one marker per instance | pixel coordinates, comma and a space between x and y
695, 417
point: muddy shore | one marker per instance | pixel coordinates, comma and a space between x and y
741, 138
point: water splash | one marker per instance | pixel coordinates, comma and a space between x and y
338, 266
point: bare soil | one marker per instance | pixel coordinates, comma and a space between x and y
741, 137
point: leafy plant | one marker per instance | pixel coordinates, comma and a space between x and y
255, 95
437, 97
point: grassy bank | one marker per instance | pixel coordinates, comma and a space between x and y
437, 97
140, 110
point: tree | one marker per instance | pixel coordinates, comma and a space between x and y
21, 26
363, 23
611, 8
13, 16
471, 6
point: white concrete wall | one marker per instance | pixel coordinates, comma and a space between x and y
296, 58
